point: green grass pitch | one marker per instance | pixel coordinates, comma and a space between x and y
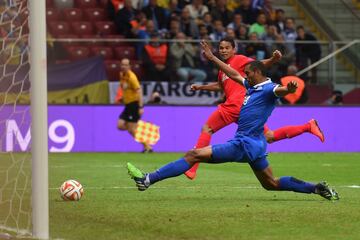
224, 202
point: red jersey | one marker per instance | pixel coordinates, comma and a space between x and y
234, 92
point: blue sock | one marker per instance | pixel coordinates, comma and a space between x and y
172, 169
296, 185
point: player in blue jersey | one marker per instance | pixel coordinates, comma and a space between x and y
248, 144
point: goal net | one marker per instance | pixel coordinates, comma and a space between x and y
15, 123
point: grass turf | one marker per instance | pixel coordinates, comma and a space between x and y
224, 202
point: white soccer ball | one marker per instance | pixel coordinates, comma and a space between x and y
71, 190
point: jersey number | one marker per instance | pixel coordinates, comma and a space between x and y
246, 99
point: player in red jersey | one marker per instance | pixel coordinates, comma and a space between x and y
228, 112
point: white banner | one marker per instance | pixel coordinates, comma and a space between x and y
177, 93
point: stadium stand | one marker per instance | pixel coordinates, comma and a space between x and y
90, 19
53, 14
73, 14
95, 14
59, 28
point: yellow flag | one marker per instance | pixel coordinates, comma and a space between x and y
147, 132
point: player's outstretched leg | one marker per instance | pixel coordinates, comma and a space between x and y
172, 169
141, 180
144, 180
288, 183
293, 131
325, 191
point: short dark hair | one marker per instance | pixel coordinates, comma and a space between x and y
229, 40
300, 27
257, 65
279, 10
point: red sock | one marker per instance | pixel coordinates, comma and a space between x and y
290, 131
204, 140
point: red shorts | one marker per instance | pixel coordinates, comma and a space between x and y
219, 119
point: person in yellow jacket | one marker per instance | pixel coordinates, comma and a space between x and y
133, 100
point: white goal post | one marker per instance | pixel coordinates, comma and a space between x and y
39, 134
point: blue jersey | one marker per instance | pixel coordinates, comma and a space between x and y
249, 143
258, 105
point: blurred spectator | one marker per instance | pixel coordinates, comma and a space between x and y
155, 98
336, 98
290, 35
230, 32
222, 13
208, 22
138, 23
247, 12
173, 9
174, 29
188, 25
183, 3
183, 60
155, 56
255, 49
211, 4
113, 6
203, 31
270, 37
197, 9
232, 4
123, 18
307, 51
144, 35
219, 31
242, 35
157, 14
257, 4
139, 4
268, 10
242, 32
300, 96
237, 21
163, 3
280, 20
14, 50
279, 69
259, 26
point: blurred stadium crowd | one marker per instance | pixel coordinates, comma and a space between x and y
161, 37
160, 31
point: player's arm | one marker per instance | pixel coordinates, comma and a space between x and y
282, 91
141, 103
135, 84
214, 86
276, 56
140, 94
229, 71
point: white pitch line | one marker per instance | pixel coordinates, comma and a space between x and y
352, 186
178, 187
191, 187
94, 166
20, 232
